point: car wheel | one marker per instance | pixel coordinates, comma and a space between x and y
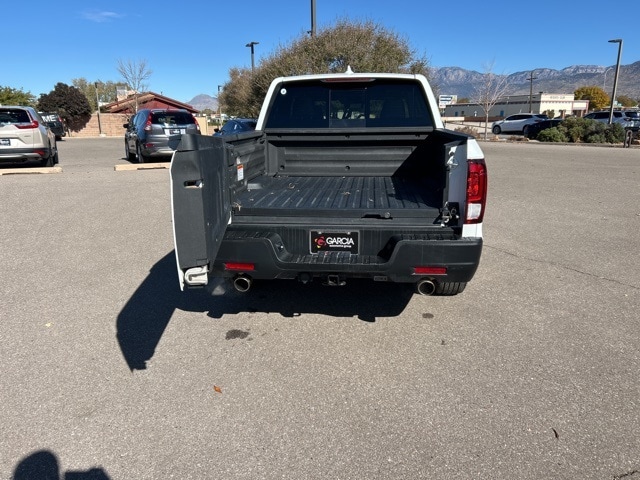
496, 130
525, 131
127, 153
141, 157
48, 162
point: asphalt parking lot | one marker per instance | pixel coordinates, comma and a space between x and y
110, 372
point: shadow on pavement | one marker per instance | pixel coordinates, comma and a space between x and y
144, 318
43, 465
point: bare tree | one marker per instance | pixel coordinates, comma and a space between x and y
134, 73
487, 94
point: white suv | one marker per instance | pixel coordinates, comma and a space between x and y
517, 122
618, 117
24, 137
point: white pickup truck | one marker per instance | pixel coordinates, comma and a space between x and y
346, 176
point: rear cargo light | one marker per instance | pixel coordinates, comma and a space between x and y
240, 267
429, 270
476, 191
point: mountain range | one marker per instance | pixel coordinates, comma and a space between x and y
461, 82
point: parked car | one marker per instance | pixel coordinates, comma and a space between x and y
532, 131
618, 117
156, 133
237, 125
54, 122
24, 136
517, 122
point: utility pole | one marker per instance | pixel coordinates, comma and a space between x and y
615, 81
531, 79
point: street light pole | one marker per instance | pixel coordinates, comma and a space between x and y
313, 18
251, 45
219, 107
98, 105
615, 80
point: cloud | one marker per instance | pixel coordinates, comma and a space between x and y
100, 16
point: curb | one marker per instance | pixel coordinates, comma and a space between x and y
27, 171
129, 167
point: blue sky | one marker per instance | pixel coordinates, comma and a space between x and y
190, 45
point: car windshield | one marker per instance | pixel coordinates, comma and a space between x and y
172, 118
368, 103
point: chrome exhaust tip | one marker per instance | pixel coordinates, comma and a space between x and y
426, 287
242, 283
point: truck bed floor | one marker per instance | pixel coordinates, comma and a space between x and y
345, 196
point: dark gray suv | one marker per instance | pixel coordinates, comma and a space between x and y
156, 133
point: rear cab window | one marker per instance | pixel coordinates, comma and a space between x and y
172, 118
363, 103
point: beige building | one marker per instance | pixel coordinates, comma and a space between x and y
561, 104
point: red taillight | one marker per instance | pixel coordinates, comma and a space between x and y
147, 125
237, 266
476, 191
429, 270
33, 124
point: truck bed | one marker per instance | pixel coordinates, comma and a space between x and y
359, 197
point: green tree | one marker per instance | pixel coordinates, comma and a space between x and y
12, 96
69, 102
106, 91
363, 45
597, 97
627, 101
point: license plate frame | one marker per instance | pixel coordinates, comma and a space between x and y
322, 241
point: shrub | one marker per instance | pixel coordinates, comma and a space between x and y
467, 131
553, 134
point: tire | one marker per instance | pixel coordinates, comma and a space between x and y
450, 288
48, 162
52, 159
525, 131
127, 153
496, 130
140, 155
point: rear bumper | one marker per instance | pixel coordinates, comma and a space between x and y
23, 154
395, 263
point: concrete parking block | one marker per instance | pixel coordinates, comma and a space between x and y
140, 166
22, 171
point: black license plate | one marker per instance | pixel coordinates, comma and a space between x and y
323, 241
5, 142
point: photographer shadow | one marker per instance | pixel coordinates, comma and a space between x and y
142, 321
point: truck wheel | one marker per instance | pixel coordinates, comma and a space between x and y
450, 288
496, 130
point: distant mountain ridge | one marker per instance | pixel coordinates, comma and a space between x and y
204, 101
461, 82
